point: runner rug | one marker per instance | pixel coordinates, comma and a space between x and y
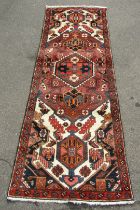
71, 145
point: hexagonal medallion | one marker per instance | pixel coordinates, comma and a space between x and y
74, 69
71, 152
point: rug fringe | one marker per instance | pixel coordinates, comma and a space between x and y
94, 203
88, 6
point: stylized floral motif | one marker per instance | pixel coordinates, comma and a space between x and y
85, 171
57, 170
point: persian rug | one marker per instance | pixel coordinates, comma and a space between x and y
71, 145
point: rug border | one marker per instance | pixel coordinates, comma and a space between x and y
92, 202
118, 107
35, 69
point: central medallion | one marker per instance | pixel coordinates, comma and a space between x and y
71, 152
74, 69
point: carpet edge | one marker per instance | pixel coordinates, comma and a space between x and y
65, 6
91, 203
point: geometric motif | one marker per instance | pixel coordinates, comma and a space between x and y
71, 152
74, 69
71, 144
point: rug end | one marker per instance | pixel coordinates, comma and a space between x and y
94, 203
65, 6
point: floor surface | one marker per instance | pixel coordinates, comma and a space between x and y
20, 29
